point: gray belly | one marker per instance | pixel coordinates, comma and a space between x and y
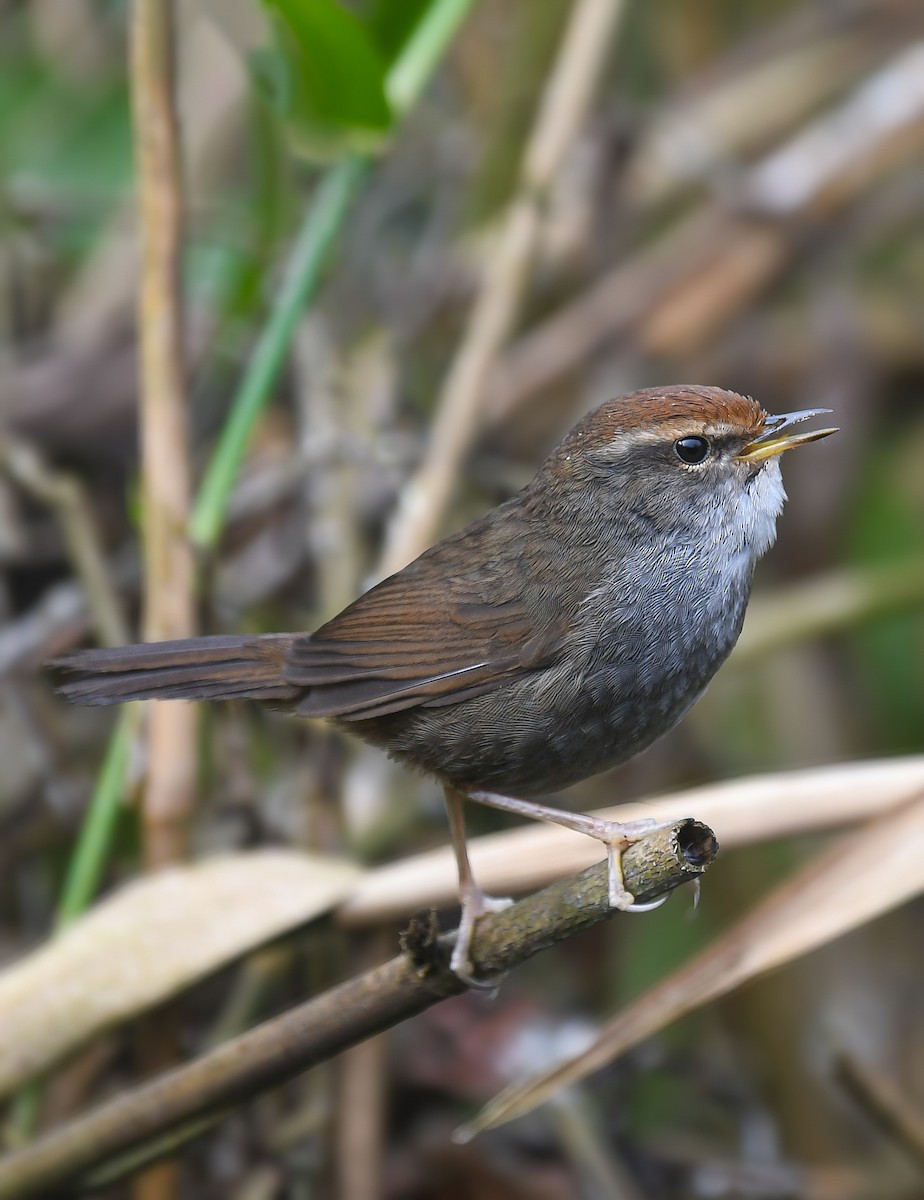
609, 695
544, 733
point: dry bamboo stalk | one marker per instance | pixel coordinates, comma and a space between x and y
169, 600
169, 610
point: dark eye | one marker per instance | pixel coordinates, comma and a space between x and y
692, 450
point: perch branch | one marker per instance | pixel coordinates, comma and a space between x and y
323, 1027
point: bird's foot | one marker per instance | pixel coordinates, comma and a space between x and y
617, 837
475, 903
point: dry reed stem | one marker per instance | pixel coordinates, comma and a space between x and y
705, 129
169, 610
856, 141
564, 107
169, 603
102, 288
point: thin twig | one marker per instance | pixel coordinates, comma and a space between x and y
894, 1112
65, 496
564, 107
323, 1027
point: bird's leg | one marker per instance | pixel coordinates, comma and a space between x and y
473, 900
615, 835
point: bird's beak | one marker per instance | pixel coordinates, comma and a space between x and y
775, 439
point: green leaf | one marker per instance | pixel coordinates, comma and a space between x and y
393, 22
322, 225
325, 77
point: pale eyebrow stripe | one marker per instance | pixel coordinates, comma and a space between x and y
642, 437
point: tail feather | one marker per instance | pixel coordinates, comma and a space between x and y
235, 667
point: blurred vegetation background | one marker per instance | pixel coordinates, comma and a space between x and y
741, 207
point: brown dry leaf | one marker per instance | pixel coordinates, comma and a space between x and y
149, 941
862, 875
741, 811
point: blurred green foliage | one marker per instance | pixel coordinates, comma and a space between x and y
324, 76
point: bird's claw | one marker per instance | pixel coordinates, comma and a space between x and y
617, 838
475, 903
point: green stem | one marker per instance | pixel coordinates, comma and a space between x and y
92, 850
321, 226
412, 69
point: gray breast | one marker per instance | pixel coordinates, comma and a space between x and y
629, 676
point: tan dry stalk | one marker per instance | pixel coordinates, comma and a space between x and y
169, 609
564, 107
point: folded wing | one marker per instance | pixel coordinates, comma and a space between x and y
422, 637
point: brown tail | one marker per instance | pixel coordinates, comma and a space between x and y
236, 667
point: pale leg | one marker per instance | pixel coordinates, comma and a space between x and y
615, 835
473, 900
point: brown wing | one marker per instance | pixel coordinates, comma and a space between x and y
427, 636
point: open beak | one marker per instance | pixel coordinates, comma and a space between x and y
776, 439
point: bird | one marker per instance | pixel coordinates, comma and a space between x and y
554, 637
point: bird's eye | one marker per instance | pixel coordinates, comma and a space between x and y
692, 450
